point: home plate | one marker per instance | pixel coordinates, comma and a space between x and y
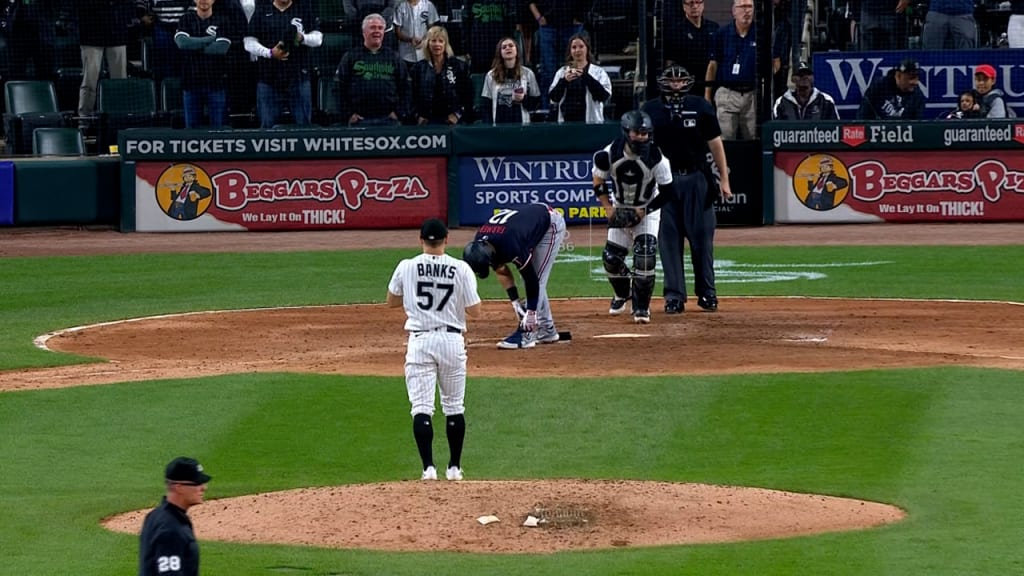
623, 335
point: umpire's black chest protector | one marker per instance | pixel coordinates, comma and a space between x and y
680, 131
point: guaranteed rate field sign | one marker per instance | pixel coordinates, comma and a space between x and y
330, 194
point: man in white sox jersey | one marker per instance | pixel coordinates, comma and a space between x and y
635, 166
437, 292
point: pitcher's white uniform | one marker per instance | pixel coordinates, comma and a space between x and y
435, 291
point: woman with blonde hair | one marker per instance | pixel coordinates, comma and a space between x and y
442, 90
580, 88
510, 90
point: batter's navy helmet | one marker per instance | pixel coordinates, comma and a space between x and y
478, 255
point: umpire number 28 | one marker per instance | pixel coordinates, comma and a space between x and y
427, 292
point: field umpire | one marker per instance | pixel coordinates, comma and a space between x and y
167, 545
687, 129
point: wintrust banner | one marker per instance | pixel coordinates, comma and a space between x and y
847, 75
898, 186
294, 195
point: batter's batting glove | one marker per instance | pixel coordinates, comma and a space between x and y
529, 323
520, 309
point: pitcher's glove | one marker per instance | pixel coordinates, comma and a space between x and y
624, 217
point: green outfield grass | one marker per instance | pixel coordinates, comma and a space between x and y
944, 444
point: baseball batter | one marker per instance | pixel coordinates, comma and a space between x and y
529, 237
688, 129
437, 292
635, 166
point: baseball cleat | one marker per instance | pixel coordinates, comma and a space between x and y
547, 336
517, 340
453, 473
708, 303
642, 316
429, 474
618, 306
674, 306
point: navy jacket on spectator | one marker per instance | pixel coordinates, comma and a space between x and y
883, 100
455, 91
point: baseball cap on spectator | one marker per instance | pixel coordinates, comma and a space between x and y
803, 68
433, 229
183, 469
909, 66
986, 70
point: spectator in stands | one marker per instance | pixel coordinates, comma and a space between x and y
162, 17
412, 19
894, 96
950, 24
527, 28
967, 107
1015, 25
374, 81
441, 88
204, 37
104, 27
557, 21
510, 90
881, 24
580, 88
782, 46
28, 28
483, 23
688, 41
356, 12
991, 100
281, 33
804, 101
732, 69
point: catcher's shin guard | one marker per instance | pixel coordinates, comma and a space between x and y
619, 276
643, 288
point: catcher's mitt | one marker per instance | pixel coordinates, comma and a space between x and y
624, 217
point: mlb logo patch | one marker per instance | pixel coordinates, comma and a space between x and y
690, 123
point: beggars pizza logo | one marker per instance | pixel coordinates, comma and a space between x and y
821, 182
183, 191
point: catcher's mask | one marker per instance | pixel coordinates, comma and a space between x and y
674, 82
640, 124
478, 255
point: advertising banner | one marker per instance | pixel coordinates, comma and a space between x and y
898, 186
944, 74
295, 195
564, 182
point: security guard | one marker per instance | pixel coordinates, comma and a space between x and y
686, 130
167, 545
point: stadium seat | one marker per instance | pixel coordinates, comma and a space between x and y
30, 104
172, 101
328, 109
123, 103
58, 142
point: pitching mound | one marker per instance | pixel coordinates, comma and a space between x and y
572, 515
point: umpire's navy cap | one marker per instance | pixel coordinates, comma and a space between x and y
433, 229
183, 469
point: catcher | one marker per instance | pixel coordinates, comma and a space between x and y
634, 165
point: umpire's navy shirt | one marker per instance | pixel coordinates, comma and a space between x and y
728, 49
167, 545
